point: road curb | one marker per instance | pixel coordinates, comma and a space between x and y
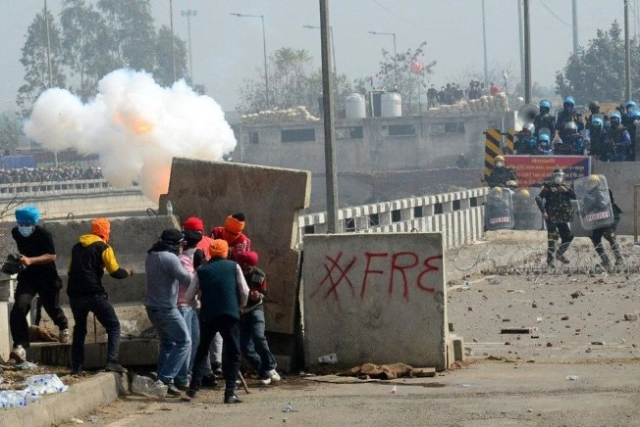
80, 399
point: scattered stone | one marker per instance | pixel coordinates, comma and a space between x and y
549, 344
634, 345
564, 318
534, 305
470, 309
588, 350
507, 343
551, 303
631, 317
506, 320
597, 342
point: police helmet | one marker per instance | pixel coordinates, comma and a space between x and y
630, 104
593, 181
524, 194
571, 125
615, 115
597, 121
530, 127
545, 104
496, 192
594, 107
544, 138
511, 183
499, 159
569, 100
634, 113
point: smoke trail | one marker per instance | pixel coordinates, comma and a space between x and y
135, 126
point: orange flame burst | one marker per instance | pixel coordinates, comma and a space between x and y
137, 125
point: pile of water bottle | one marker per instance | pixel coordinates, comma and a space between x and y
35, 387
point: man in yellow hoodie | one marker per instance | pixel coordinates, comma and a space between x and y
89, 258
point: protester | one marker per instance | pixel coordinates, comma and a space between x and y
190, 258
223, 294
89, 258
40, 276
252, 324
231, 232
163, 273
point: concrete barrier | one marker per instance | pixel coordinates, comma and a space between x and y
621, 177
378, 298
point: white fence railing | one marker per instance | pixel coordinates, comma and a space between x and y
459, 215
82, 185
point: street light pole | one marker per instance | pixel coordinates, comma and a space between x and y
527, 53
395, 51
264, 51
173, 44
189, 13
333, 47
627, 52
46, 20
484, 43
331, 169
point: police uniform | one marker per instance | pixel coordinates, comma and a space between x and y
500, 175
597, 202
557, 205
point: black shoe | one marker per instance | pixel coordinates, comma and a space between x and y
191, 394
172, 390
217, 369
115, 367
209, 382
232, 399
182, 387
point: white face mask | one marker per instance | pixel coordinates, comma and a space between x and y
25, 230
557, 179
499, 164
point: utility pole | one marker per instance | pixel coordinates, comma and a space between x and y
173, 43
527, 53
333, 46
627, 52
575, 25
264, 51
521, 35
331, 170
484, 38
46, 21
189, 13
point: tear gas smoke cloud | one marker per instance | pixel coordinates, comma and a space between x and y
135, 126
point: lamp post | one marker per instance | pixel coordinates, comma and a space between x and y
264, 48
46, 20
189, 13
395, 51
173, 44
333, 46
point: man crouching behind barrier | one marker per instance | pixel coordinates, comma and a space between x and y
554, 201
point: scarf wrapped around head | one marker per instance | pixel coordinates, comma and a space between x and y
170, 241
101, 227
232, 229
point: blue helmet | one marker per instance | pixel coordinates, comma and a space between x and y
597, 122
545, 104
569, 100
634, 113
615, 115
544, 138
631, 104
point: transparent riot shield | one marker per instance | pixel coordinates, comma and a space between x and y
594, 204
498, 211
526, 215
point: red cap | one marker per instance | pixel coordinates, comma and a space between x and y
246, 259
193, 223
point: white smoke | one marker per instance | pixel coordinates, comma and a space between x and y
135, 126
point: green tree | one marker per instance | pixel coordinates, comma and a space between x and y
34, 59
293, 81
10, 131
87, 47
596, 72
396, 73
132, 27
163, 71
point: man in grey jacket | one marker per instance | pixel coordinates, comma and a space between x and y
164, 272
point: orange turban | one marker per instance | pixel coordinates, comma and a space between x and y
219, 249
101, 227
232, 228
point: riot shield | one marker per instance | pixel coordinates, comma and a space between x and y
594, 204
526, 215
498, 211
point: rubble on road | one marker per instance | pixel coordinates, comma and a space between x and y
388, 372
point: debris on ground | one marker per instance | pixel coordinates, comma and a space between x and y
388, 372
42, 334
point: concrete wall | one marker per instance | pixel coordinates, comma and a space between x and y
271, 199
621, 177
378, 298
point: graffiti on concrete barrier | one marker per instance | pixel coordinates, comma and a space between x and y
397, 272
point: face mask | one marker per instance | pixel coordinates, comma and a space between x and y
557, 179
25, 231
499, 164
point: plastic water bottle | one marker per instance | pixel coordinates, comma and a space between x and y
169, 208
147, 387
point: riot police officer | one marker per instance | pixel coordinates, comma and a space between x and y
498, 210
554, 201
526, 143
500, 173
596, 137
596, 201
544, 120
568, 114
544, 145
618, 139
572, 141
629, 107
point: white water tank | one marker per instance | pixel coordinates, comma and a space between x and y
391, 104
355, 107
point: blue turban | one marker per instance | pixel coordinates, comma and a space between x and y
28, 215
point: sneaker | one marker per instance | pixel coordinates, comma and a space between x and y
63, 337
19, 354
232, 399
172, 390
265, 380
273, 374
115, 367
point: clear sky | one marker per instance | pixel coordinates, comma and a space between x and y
228, 49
